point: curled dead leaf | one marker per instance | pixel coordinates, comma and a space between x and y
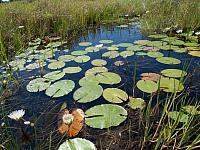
150, 76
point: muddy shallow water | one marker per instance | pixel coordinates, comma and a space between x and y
42, 110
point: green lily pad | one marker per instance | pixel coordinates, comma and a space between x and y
136, 103
95, 70
105, 41
55, 75
92, 49
170, 85
191, 44
66, 58
125, 44
156, 43
71, 70
105, 116
174, 73
99, 62
194, 53
168, 60
141, 54
38, 85
142, 42
60, 88
126, 53
82, 59
158, 36
115, 95
135, 48
179, 50
155, 54
169, 39
85, 44
119, 63
147, 86
178, 116
88, 80
79, 53
193, 110
56, 65
88, 93
178, 42
111, 54
112, 48
108, 78
77, 144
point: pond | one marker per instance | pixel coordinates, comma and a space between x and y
103, 67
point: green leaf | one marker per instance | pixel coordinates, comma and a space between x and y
193, 110
105, 116
77, 144
155, 54
194, 53
126, 53
174, 73
115, 95
82, 59
55, 75
85, 44
125, 44
66, 58
158, 36
108, 78
88, 93
92, 49
79, 53
147, 86
111, 54
60, 88
88, 80
105, 41
136, 103
71, 70
95, 70
178, 116
56, 65
38, 85
168, 60
99, 62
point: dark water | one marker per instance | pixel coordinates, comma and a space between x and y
43, 109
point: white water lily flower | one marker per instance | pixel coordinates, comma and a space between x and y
197, 33
99, 46
68, 118
179, 31
17, 114
27, 122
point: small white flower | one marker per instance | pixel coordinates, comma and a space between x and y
20, 27
179, 31
197, 33
2, 124
68, 118
99, 46
27, 122
17, 114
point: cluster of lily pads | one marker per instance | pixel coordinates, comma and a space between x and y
90, 86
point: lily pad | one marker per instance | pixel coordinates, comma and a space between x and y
142, 42
38, 85
105, 41
105, 116
119, 63
141, 54
95, 70
168, 60
111, 54
194, 53
150, 76
191, 44
66, 58
108, 78
115, 95
147, 86
135, 48
136, 103
77, 144
178, 42
92, 49
158, 36
88, 93
85, 44
126, 53
71, 70
178, 116
55, 75
125, 44
174, 73
88, 80
79, 53
170, 85
112, 48
60, 88
82, 59
155, 54
56, 65
99, 62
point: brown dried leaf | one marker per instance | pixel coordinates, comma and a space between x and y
150, 76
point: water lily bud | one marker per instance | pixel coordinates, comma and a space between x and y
68, 118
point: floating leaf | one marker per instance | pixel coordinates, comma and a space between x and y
178, 116
158, 36
178, 42
93, 71
82, 59
125, 44
156, 43
150, 76
174, 73
60, 88
85, 44
142, 42
99, 62
105, 41
115, 95
38, 85
72, 70
77, 144
119, 63
111, 54
194, 53
108, 78
105, 116
168, 60
88, 93
170, 85
92, 49
147, 86
193, 110
135, 48
151, 49
136, 103
66, 58
155, 54
77, 121
141, 54
79, 53
56, 65
126, 53
88, 80
112, 48
55, 75
191, 44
